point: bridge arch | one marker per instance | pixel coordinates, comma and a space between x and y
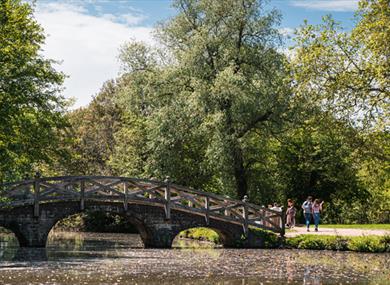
101, 208
212, 235
14, 229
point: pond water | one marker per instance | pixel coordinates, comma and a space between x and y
94, 258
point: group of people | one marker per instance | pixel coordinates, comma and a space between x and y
310, 209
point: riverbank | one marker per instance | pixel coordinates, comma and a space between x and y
315, 240
374, 244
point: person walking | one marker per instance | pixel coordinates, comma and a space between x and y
307, 211
316, 209
290, 214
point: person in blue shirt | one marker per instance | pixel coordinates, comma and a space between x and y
307, 211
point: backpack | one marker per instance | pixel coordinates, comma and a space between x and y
307, 207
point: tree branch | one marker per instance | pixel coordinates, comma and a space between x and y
262, 118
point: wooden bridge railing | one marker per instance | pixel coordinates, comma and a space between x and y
141, 191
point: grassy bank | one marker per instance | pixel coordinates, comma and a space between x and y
358, 243
374, 244
359, 226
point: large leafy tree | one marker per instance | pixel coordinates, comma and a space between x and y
31, 111
225, 81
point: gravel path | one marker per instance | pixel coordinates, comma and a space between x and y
331, 231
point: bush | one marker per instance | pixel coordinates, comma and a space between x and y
385, 240
271, 240
367, 244
205, 234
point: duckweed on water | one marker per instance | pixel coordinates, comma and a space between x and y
118, 259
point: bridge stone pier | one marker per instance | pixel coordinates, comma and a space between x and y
159, 210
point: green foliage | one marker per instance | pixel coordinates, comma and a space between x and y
200, 111
31, 112
347, 73
201, 234
270, 239
318, 242
368, 244
360, 243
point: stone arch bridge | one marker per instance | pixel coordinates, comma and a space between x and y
159, 210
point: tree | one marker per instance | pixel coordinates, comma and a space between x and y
347, 73
226, 79
31, 111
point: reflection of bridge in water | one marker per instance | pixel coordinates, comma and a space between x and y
159, 210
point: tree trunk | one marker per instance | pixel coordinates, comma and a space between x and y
239, 172
236, 153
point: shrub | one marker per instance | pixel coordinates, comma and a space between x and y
271, 240
385, 240
366, 244
201, 234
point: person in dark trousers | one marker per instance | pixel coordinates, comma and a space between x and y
316, 210
307, 211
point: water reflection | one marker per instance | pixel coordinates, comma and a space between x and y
72, 258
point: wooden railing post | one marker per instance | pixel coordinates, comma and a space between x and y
245, 214
126, 193
245, 217
167, 195
207, 208
283, 221
36, 194
226, 212
82, 195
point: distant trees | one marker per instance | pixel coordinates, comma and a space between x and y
92, 134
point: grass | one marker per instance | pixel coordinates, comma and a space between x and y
359, 226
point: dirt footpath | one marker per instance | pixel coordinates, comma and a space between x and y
331, 231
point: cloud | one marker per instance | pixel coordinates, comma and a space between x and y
327, 5
86, 44
286, 31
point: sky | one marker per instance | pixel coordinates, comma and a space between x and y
84, 36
